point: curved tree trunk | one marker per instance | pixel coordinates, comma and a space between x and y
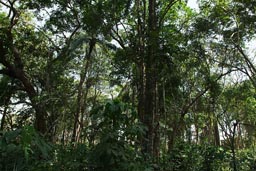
15, 70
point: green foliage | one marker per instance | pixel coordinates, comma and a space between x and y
21, 148
66, 158
247, 160
3, 20
192, 157
122, 65
113, 151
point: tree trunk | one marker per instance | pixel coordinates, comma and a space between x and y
3, 117
216, 133
81, 96
150, 103
6, 106
233, 146
141, 92
41, 114
16, 70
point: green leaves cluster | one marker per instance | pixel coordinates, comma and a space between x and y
21, 148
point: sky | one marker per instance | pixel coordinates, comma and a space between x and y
193, 4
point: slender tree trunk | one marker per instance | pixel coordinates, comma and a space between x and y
233, 146
76, 127
149, 111
63, 136
159, 110
6, 106
140, 63
3, 117
141, 92
78, 118
216, 133
140, 50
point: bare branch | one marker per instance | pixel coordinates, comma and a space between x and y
5, 4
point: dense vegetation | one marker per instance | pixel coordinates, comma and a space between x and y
127, 85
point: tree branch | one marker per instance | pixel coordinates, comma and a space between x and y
200, 94
165, 11
118, 38
5, 4
15, 14
248, 61
3, 56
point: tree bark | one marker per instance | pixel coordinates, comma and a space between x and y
4, 113
16, 70
150, 103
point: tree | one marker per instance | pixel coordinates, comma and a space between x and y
13, 64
